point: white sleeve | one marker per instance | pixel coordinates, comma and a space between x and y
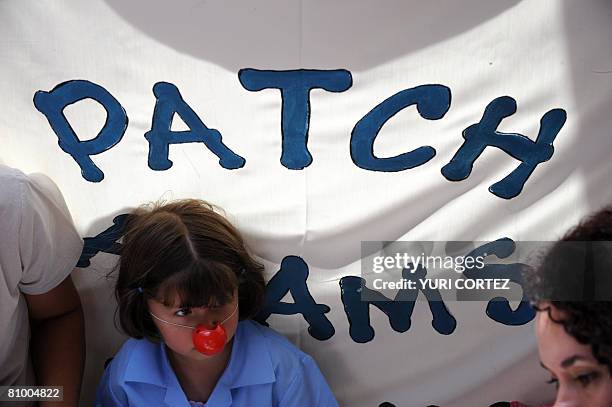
49, 245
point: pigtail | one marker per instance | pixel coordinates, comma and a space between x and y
134, 318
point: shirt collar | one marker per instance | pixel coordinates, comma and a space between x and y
250, 364
149, 364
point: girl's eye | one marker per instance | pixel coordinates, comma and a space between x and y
587, 378
183, 312
553, 380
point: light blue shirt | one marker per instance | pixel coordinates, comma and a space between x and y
264, 369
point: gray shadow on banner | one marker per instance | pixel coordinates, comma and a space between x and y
96, 284
590, 62
304, 34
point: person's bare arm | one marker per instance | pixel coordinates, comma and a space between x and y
57, 345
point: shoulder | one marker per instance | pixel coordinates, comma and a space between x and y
297, 376
118, 365
21, 192
127, 363
131, 356
289, 363
111, 387
11, 174
44, 238
283, 354
13, 184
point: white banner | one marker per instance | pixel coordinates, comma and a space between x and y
318, 125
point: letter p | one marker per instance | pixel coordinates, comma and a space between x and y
52, 105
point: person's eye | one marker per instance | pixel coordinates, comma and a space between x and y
553, 380
587, 378
183, 312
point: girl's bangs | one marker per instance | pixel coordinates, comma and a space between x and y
201, 284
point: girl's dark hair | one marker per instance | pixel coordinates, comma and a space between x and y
183, 248
588, 316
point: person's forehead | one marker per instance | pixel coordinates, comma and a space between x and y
542, 321
555, 343
548, 329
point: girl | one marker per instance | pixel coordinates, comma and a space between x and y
186, 290
572, 292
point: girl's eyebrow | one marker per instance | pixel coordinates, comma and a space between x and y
569, 361
573, 359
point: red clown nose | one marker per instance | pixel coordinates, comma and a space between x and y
209, 341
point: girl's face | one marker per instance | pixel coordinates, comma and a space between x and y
580, 379
179, 339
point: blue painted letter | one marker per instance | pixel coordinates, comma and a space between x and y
292, 278
399, 311
432, 103
104, 242
484, 133
295, 87
498, 309
52, 105
169, 102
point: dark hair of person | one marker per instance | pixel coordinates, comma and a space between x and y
183, 249
587, 318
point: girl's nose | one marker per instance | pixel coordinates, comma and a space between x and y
209, 323
567, 398
209, 319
